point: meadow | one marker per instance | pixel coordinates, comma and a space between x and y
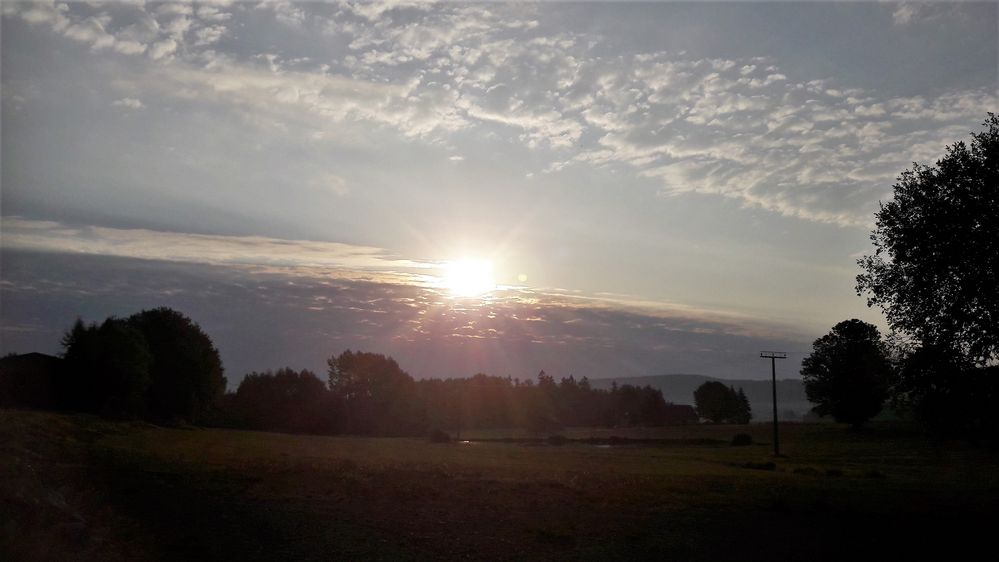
77, 487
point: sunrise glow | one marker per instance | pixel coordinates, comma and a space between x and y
469, 277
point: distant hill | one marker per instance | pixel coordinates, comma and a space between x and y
679, 389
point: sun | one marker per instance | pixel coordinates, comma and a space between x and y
469, 277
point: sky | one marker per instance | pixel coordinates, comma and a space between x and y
657, 187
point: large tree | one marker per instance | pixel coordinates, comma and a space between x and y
847, 373
934, 268
186, 370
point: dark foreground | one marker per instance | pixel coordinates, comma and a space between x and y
74, 487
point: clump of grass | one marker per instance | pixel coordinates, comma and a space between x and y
875, 474
805, 470
557, 440
742, 439
834, 473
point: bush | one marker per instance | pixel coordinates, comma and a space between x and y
558, 440
742, 439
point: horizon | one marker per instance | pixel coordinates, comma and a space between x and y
599, 190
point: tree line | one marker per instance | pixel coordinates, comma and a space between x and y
159, 365
370, 394
156, 364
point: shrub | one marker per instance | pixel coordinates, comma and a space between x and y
742, 439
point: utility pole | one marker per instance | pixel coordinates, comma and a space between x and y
773, 356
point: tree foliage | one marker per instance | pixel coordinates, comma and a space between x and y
847, 373
286, 400
722, 404
934, 267
377, 393
156, 363
105, 369
186, 370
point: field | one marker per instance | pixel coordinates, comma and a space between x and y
75, 487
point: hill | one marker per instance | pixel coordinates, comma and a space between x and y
679, 389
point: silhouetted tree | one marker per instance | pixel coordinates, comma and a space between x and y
744, 412
847, 373
721, 404
106, 369
948, 393
378, 395
933, 273
936, 257
186, 370
286, 400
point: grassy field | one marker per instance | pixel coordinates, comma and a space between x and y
75, 487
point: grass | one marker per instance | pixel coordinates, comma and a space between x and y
80, 488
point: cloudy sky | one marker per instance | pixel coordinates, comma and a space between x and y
659, 187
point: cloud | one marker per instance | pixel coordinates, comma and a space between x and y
374, 11
174, 9
740, 127
267, 318
310, 259
162, 48
331, 183
39, 13
129, 47
46, 236
288, 13
130, 103
211, 13
912, 13
160, 27
209, 35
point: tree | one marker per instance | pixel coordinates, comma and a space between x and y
721, 404
186, 371
377, 393
286, 400
105, 369
847, 373
936, 257
744, 410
